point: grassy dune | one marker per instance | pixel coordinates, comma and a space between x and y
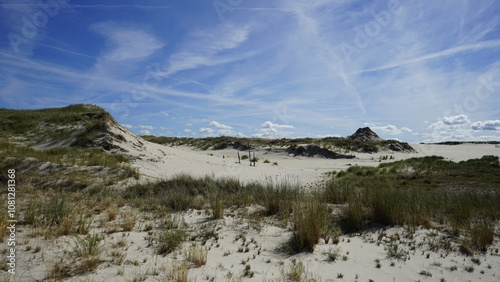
88, 194
72, 126
459, 199
463, 198
336, 144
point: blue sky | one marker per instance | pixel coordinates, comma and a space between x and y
411, 70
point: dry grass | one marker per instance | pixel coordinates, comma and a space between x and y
297, 272
179, 272
129, 220
481, 235
59, 271
197, 255
88, 265
3, 223
112, 212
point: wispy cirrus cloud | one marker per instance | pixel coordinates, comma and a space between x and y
268, 65
491, 44
124, 43
206, 48
115, 6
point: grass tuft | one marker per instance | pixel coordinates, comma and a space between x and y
169, 240
310, 223
197, 255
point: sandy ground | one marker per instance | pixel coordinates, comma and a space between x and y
243, 241
160, 161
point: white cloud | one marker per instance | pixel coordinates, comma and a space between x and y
406, 129
271, 125
390, 129
145, 132
450, 128
273, 130
458, 119
189, 131
486, 125
296, 59
129, 126
451, 122
219, 125
207, 130
219, 129
126, 43
460, 128
149, 127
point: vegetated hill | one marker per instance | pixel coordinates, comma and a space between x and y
364, 141
316, 151
76, 145
418, 191
84, 126
364, 134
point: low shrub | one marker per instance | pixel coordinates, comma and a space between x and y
169, 240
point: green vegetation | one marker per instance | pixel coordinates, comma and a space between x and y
184, 191
169, 240
88, 245
66, 132
336, 144
67, 155
417, 192
420, 191
22, 121
310, 223
75, 125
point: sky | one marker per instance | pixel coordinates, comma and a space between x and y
416, 71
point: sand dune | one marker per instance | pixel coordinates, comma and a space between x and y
249, 250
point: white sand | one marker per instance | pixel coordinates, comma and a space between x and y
169, 161
357, 253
